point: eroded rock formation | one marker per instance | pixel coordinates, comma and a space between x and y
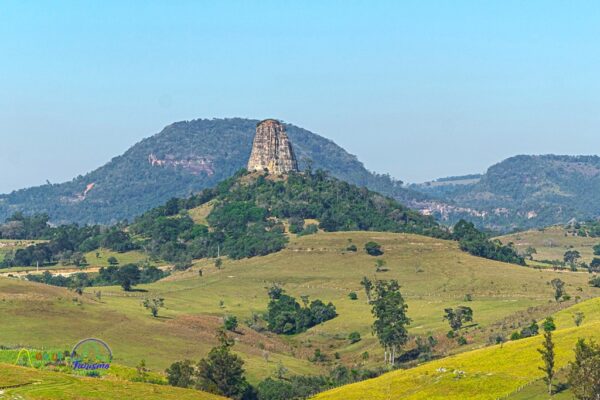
272, 149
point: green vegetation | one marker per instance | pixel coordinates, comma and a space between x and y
551, 244
505, 371
391, 321
477, 243
313, 265
127, 276
525, 192
435, 274
154, 305
29, 383
373, 249
287, 317
248, 210
190, 156
584, 371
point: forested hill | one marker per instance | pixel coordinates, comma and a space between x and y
525, 192
247, 215
184, 158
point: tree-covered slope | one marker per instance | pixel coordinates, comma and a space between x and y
183, 158
247, 216
524, 192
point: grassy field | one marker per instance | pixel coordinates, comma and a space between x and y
551, 243
95, 259
507, 371
434, 274
28, 383
199, 214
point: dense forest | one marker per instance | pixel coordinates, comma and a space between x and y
525, 192
184, 158
248, 216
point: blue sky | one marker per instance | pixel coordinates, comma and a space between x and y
418, 89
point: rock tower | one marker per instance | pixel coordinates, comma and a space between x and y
272, 150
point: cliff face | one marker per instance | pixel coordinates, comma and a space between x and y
272, 149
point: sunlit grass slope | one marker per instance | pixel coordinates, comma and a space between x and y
488, 373
551, 243
28, 383
434, 274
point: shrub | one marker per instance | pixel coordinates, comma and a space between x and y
286, 316
373, 249
310, 229
354, 337
595, 281
352, 248
352, 296
515, 336
462, 341
230, 323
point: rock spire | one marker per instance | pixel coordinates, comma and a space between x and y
272, 149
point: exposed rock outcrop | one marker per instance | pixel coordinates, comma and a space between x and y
272, 149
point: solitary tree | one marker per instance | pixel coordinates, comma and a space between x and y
559, 288
584, 374
230, 323
389, 310
379, 264
181, 374
572, 256
78, 283
529, 252
373, 249
368, 285
222, 372
456, 317
578, 318
153, 304
128, 276
547, 352
112, 260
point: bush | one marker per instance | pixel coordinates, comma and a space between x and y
286, 316
354, 337
310, 229
352, 296
352, 248
296, 225
462, 341
515, 336
230, 323
373, 249
595, 281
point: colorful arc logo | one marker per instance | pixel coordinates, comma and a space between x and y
91, 354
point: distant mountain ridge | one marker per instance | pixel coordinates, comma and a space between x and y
524, 191
183, 158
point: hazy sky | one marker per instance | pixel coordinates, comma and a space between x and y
418, 89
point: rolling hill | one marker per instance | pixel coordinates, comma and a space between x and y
521, 192
434, 273
28, 383
183, 158
507, 371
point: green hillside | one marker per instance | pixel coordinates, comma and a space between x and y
28, 383
183, 158
502, 371
434, 273
551, 243
524, 192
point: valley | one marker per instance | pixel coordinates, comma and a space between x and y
434, 274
